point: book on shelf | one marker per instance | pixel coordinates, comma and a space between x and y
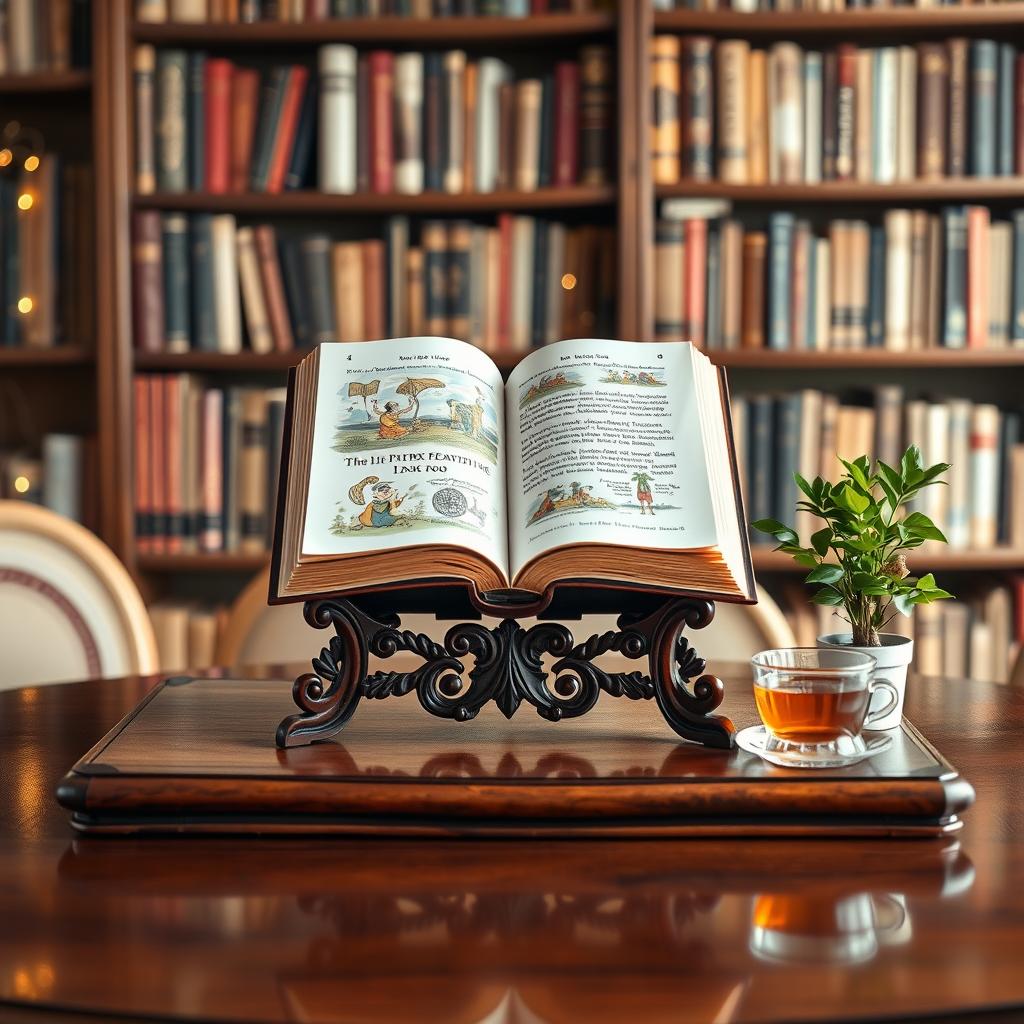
805, 431
205, 475
790, 115
371, 121
204, 283
412, 459
907, 280
186, 633
298, 11
44, 35
56, 473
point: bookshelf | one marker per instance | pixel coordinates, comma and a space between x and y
41, 82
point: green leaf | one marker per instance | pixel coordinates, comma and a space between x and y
919, 525
855, 501
821, 540
903, 604
857, 474
804, 486
926, 582
802, 556
829, 596
825, 574
779, 531
910, 464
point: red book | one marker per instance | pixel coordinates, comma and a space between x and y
157, 467
505, 277
538, 6
281, 154
273, 288
977, 276
695, 257
567, 122
143, 480
174, 494
147, 281
1018, 107
245, 93
846, 101
382, 160
318, 10
218, 124
211, 535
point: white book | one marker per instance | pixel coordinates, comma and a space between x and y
455, 85
958, 523
409, 122
785, 109
523, 232
491, 74
906, 115
957, 637
337, 64
227, 310
556, 293
189, 10
885, 123
812, 116
21, 35
695, 209
62, 474
1000, 261
982, 653
984, 476
822, 291
898, 229
862, 116
744, 6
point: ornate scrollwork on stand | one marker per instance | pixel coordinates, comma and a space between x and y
507, 669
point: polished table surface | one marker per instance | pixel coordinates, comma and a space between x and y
268, 929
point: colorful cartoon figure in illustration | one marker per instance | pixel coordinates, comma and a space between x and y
389, 417
547, 504
469, 418
555, 500
643, 493
384, 499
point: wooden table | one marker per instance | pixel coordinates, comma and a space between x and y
462, 931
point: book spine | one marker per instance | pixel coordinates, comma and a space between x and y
348, 291
666, 138
780, 268
142, 453
799, 285
171, 126
732, 91
272, 288
933, 89
457, 273
760, 471
218, 119
434, 239
1000, 254
860, 242
697, 153
984, 476
846, 80
252, 472
301, 162
877, 269
504, 277
491, 73
695, 266
272, 98
755, 246
371, 255
813, 113
397, 235
296, 83
416, 291
454, 83
203, 325
241, 114
595, 115
864, 116
785, 493
567, 128
211, 526
296, 293
982, 121
521, 308
1005, 111
433, 121
231, 449
337, 147
886, 138
758, 118
227, 309
959, 86
147, 281
177, 301
195, 121
918, 294
906, 114
978, 282
545, 158
145, 120
787, 157
713, 292
829, 114
409, 119
478, 284
954, 283
506, 136
527, 134
898, 227
316, 262
732, 283
174, 386
256, 320
363, 119
1017, 288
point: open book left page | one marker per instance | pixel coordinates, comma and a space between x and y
407, 450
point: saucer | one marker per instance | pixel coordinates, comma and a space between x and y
850, 750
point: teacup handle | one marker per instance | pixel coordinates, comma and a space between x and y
877, 716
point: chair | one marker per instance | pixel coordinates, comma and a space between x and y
68, 608
256, 633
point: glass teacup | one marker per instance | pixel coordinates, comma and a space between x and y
814, 702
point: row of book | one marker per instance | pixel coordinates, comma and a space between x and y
914, 280
370, 122
54, 475
186, 633
204, 283
976, 637
44, 35
803, 432
206, 464
47, 294
296, 11
752, 6
881, 114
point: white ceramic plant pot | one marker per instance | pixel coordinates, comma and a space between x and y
892, 660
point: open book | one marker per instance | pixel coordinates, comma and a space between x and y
598, 460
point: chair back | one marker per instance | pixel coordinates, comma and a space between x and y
68, 608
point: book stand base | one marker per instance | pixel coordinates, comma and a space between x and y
508, 668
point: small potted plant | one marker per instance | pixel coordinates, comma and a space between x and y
857, 560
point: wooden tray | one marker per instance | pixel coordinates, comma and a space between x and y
198, 755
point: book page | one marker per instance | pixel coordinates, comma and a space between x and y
605, 446
408, 449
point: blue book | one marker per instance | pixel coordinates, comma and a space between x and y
811, 323
876, 288
954, 276
713, 298
196, 121
204, 325
301, 162
9, 253
177, 302
172, 165
983, 75
760, 447
785, 493
1005, 109
780, 275
1017, 281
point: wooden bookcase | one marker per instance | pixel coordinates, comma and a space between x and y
630, 202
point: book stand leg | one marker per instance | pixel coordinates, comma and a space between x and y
507, 670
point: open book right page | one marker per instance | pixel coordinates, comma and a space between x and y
605, 446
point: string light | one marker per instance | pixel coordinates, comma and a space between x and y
31, 163
568, 282
6, 156
21, 484
25, 201
25, 304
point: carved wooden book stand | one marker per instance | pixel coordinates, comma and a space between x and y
507, 661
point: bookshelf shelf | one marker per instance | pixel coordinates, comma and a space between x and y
849, 23
968, 190
311, 202
994, 560
64, 355
493, 31
45, 81
951, 359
